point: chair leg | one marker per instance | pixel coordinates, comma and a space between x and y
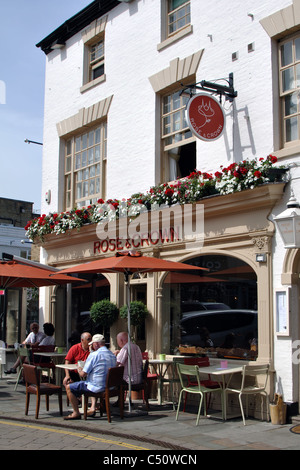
85, 406
107, 405
199, 409
178, 406
18, 378
27, 402
47, 402
242, 410
37, 408
60, 403
121, 402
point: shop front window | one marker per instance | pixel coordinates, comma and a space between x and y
216, 314
12, 316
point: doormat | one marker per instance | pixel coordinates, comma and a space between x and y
295, 429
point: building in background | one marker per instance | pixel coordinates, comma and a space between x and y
21, 304
119, 75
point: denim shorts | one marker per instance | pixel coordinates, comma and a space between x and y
78, 388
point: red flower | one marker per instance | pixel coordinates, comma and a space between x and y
169, 192
257, 173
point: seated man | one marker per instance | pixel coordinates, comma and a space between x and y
136, 359
94, 371
77, 352
33, 339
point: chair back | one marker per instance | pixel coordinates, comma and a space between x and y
145, 370
255, 371
31, 375
24, 351
185, 372
114, 377
197, 361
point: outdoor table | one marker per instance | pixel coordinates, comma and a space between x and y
72, 367
161, 367
220, 372
55, 356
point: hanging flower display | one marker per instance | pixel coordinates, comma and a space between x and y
247, 174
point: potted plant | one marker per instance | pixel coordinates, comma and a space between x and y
104, 313
138, 312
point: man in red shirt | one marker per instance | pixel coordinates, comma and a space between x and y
78, 352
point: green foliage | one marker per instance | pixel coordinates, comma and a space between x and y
104, 313
138, 312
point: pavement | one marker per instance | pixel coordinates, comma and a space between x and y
156, 427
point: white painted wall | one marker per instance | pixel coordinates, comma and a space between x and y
131, 57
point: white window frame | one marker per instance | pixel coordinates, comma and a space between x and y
81, 159
289, 94
93, 35
166, 38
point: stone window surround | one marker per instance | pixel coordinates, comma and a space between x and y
279, 25
92, 34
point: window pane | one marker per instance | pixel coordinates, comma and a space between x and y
167, 125
79, 176
92, 171
97, 153
91, 156
78, 191
286, 53
78, 144
98, 72
291, 127
68, 164
176, 101
298, 75
78, 161
69, 147
290, 104
297, 48
91, 138
84, 141
288, 82
83, 159
97, 135
176, 123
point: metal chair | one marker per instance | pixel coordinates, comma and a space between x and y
251, 371
201, 362
113, 388
33, 386
23, 353
185, 373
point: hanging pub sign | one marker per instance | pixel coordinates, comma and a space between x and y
205, 117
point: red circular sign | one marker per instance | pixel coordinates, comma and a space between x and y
205, 117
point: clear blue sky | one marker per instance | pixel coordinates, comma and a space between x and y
24, 23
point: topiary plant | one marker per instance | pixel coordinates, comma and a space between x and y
138, 312
104, 313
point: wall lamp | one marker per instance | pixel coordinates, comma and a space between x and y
288, 224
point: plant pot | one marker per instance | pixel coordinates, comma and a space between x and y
276, 174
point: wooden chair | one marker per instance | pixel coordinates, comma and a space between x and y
200, 362
143, 386
113, 388
33, 386
187, 371
43, 363
251, 371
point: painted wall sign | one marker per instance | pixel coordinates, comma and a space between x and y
205, 117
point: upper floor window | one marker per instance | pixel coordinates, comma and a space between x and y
85, 167
93, 38
289, 79
179, 148
96, 60
179, 15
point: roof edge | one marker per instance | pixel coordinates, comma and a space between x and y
76, 23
